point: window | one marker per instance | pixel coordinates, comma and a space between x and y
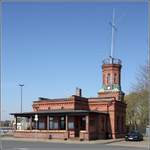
55, 124
83, 123
115, 78
51, 123
62, 123
108, 78
41, 125
71, 125
103, 78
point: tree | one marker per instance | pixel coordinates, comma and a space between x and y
137, 110
137, 101
142, 79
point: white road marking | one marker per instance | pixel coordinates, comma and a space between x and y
20, 148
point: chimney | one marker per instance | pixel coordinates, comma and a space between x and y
78, 92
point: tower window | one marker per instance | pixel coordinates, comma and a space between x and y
108, 78
115, 78
104, 79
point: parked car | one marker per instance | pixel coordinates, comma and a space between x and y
134, 136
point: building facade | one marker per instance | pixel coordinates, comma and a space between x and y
79, 117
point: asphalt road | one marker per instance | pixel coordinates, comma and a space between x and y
33, 145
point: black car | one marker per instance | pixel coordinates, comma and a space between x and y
134, 136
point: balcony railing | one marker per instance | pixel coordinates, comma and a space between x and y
111, 60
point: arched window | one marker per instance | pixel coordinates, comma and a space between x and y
115, 78
103, 78
108, 78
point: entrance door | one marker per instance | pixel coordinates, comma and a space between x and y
77, 126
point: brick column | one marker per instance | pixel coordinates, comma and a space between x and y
87, 135
30, 122
87, 123
47, 122
66, 122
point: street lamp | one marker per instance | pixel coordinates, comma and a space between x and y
21, 86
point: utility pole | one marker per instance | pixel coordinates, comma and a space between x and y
21, 87
149, 72
0, 70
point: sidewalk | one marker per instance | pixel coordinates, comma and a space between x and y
108, 141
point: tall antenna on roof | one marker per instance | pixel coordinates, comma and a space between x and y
113, 29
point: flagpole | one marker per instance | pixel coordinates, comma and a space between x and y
113, 28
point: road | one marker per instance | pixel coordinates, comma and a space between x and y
33, 145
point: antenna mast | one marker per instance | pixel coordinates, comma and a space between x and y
113, 29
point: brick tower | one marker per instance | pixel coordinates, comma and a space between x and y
111, 74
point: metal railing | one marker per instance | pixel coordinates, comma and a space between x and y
111, 60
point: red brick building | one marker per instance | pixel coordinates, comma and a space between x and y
80, 117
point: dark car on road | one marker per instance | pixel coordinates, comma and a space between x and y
134, 136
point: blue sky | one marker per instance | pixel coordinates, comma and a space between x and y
52, 48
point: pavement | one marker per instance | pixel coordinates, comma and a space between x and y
117, 143
37, 145
69, 141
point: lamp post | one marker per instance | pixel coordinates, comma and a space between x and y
21, 86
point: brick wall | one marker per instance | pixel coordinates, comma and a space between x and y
40, 134
111, 69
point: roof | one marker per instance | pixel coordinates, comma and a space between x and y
58, 112
101, 99
108, 98
41, 99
